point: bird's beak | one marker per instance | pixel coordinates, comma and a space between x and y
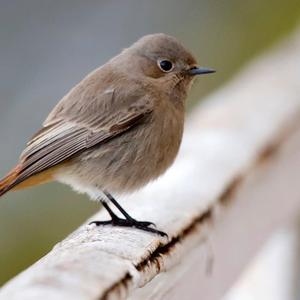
200, 70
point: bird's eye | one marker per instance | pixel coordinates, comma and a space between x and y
165, 65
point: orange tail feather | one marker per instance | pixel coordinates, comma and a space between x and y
11, 182
8, 181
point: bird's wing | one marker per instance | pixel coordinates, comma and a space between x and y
65, 135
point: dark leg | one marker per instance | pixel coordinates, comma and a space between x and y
123, 211
128, 221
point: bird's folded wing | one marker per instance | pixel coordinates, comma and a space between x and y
62, 139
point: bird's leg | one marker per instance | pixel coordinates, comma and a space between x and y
123, 211
128, 221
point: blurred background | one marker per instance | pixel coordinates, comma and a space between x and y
48, 46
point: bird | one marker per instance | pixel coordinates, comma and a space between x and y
116, 130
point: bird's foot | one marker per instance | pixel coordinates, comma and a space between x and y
142, 225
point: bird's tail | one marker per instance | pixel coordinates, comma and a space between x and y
9, 181
15, 181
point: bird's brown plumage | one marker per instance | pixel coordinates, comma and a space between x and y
61, 139
120, 127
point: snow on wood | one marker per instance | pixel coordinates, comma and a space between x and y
234, 182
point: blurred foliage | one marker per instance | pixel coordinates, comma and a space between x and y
223, 34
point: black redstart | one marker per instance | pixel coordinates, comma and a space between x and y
117, 129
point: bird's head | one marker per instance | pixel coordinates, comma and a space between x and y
164, 59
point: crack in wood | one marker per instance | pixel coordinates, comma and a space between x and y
158, 254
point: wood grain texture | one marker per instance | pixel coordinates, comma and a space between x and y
221, 199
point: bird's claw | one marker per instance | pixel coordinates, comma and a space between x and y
142, 225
